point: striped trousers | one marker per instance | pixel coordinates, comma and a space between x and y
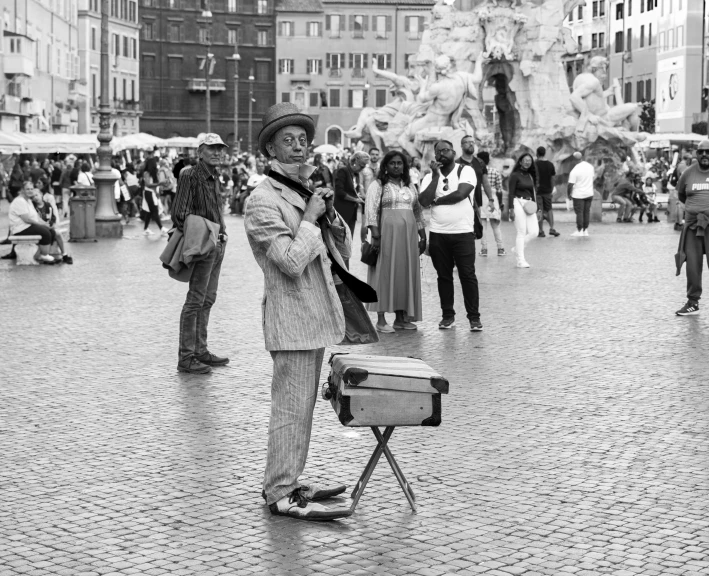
294, 389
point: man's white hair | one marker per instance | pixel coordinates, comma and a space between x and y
359, 155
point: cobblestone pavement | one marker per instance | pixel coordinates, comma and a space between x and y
574, 439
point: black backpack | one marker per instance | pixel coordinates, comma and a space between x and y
674, 178
478, 225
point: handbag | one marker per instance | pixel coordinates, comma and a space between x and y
530, 206
478, 230
370, 255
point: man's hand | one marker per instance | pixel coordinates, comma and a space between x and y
422, 245
375, 242
435, 168
491, 204
316, 206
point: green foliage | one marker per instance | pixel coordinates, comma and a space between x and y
700, 128
647, 117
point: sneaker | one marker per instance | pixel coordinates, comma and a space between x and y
655, 219
577, 233
405, 325
689, 309
385, 329
194, 367
523, 264
618, 219
476, 326
553, 232
46, 258
446, 323
501, 252
541, 234
147, 232
483, 252
164, 231
585, 232
67, 259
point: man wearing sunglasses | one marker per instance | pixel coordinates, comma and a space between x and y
447, 189
693, 191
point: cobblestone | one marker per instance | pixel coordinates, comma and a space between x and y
574, 439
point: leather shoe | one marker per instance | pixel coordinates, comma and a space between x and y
212, 359
194, 367
296, 505
316, 492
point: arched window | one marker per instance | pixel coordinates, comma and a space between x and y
334, 136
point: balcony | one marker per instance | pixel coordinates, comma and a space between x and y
200, 85
126, 106
9, 104
335, 73
79, 88
357, 72
18, 64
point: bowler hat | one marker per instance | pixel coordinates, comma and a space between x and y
279, 116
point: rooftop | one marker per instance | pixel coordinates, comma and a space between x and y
299, 6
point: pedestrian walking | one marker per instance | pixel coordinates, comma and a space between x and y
150, 207
545, 192
302, 312
347, 188
693, 192
491, 218
580, 190
448, 189
395, 220
522, 191
198, 194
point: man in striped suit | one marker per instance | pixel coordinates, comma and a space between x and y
302, 313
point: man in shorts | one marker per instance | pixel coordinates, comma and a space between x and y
546, 173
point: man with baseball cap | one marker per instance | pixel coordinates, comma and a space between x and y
198, 193
302, 312
693, 191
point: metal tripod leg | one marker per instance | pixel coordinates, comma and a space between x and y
408, 491
371, 465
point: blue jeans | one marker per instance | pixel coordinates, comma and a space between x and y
198, 304
447, 251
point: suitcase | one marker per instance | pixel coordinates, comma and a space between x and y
370, 390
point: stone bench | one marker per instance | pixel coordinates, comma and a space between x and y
26, 248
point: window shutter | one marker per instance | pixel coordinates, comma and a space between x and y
364, 61
280, 28
349, 96
342, 23
388, 23
374, 23
319, 70
307, 30
388, 62
327, 60
421, 21
365, 98
407, 23
351, 60
342, 60
327, 22
365, 23
352, 22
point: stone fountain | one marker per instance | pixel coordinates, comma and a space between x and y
515, 47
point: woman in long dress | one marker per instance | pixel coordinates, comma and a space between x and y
395, 221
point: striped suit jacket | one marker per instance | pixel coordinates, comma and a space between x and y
300, 309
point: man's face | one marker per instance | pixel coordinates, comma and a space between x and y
467, 145
259, 168
374, 156
444, 153
211, 155
703, 155
28, 190
358, 165
289, 145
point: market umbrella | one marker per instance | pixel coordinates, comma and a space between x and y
326, 149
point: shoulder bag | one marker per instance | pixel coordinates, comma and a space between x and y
370, 255
530, 206
477, 224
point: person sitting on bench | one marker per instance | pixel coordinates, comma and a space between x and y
24, 221
49, 214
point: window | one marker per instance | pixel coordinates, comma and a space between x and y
132, 12
314, 66
642, 6
648, 89
174, 101
594, 41
662, 42
125, 89
126, 50
630, 8
409, 60
649, 34
285, 28
263, 71
619, 42
203, 36
628, 92
262, 38
640, 90
382, 61
148, 67
132, 90
233, 36
580, 13
602, 8
231, 6
679, 37
413, 26
579, 41
359, 25
134, 48
334, 136
116, 45
381, 25
299, 99
174, 67
115, 88
286, 66
642, 36
601, 39
314, 99
335, 97
335, 62
571, 16
285, 96
124, 9
594, 9
93, 38
313, 29
650, 5
358, 62
619, 11
94, 95
174, 32
335, 24
357, 98
114, 7
148, 103
148, 30
261, 6
380, 97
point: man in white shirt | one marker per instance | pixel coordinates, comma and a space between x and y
580, 190
24, 221
448, 190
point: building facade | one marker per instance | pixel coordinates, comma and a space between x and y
124, 78
182, 42
327, 49
588, 27
40, 89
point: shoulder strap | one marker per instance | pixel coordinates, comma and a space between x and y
473, 201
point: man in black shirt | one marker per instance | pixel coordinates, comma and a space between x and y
545, 173
468, 159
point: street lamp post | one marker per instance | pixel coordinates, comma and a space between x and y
251, 104
237, 59
108, 221
207, 13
